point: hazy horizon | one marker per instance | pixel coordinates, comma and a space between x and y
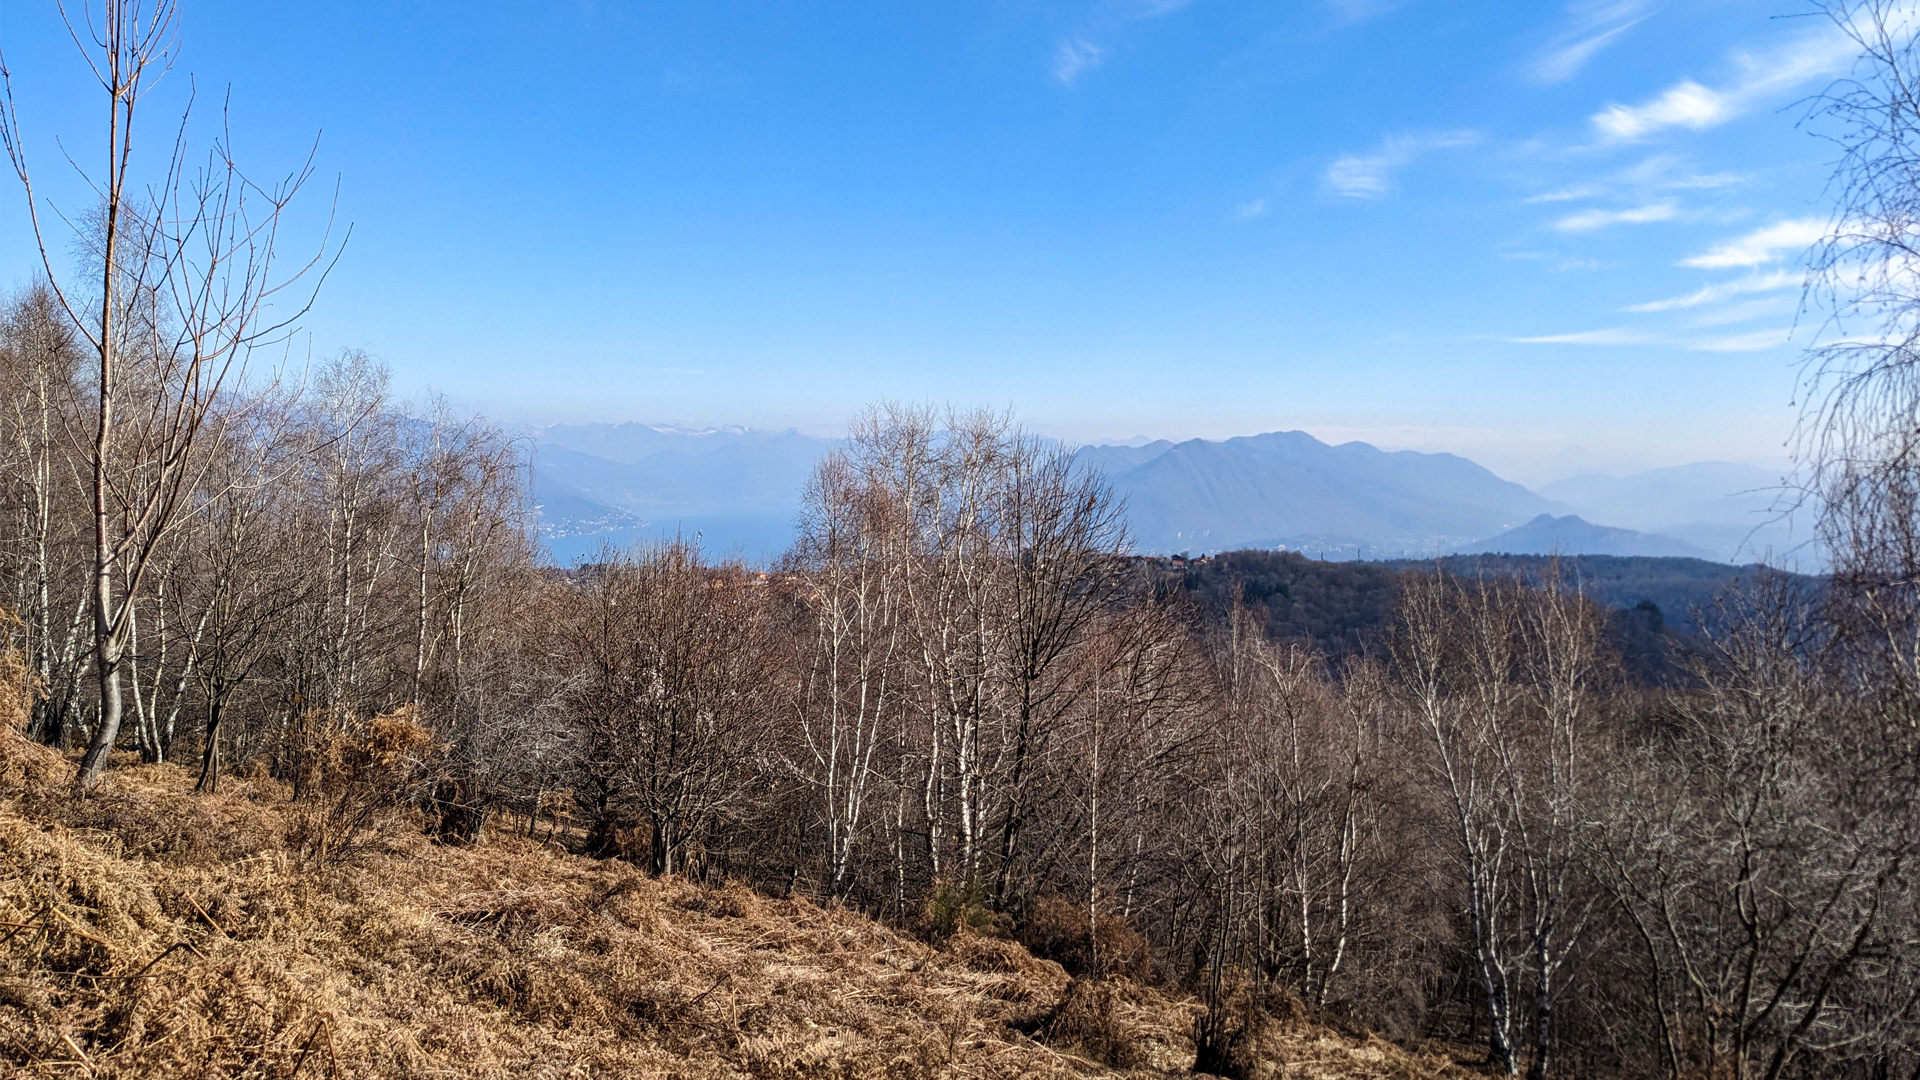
1502, 230
1570, 460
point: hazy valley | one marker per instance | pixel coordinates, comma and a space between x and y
739, 491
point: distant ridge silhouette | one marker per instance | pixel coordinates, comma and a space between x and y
1572, 535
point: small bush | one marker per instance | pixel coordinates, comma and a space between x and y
350, 778
1056, 929
1086, 1021
960, 909
1227, 1038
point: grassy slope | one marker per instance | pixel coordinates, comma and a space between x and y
149, 932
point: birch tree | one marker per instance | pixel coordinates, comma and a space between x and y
183, 278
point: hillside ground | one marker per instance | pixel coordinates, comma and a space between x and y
146, 931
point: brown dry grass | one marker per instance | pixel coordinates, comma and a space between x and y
152, 933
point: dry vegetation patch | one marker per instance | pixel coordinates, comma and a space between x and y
151, 932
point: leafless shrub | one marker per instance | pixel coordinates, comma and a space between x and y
354, 776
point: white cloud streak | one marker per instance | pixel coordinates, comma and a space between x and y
1589, 220
1645, 181
1689, 104
1074, 58
1250, 210
1745, 311
1571, 193
1754, 342
1597, 25
1705, 181
1613, 336
1761, 246
1708, 294
1369, 176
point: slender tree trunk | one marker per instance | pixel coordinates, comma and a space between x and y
106, 659
1543, 1021
106, 643
210, 755
1093, 845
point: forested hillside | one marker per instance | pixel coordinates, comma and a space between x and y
1657, 607
960, 710
309, 764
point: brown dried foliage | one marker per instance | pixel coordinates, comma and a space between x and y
152, 933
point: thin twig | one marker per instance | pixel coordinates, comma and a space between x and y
85, 1062
58, 930
203, 914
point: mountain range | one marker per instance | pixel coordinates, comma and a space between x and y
1739, 513
738, 490
1572, 535
1287, 489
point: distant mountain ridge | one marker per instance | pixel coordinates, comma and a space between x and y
1737, 512
1572, 535
738, 490
1289, 489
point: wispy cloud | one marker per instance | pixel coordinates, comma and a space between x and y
1597, 24
1644, 181
1761, 246
1076, 55
1369, 176
1689, 104
1250, 210
1708, 294
1074, 58
1750, 342
1613, 336
1744, 311
1756, 341
1589, 220
1570, 193
1705, 181
1554, 262
1668, 172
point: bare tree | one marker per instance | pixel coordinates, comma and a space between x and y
1062, 530
1761, 858
40, 358
245, 600
670, 698
1453, 651
184, 275
850, 685
1545, 760
1313, 748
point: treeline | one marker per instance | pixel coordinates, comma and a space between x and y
319, 553
1346, 608
960, 706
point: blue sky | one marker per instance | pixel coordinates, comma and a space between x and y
1506, 229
